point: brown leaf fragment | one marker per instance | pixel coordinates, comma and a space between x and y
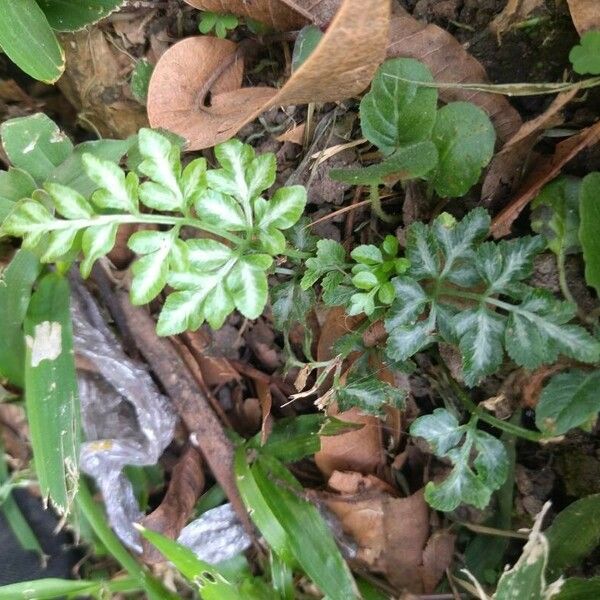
437, 557
341, 66
185, 487
547, 170
514, 11
585, 14
320, 12
534, 382
507, 167
450, 63
96, 82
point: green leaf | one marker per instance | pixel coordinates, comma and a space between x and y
422, 252
209, 581
248, 286
114, 191
206, 254
59, 243
465, 138
440, 429
260, 175
34, 144
396, 112
285, 208
290, 304
331, 256
28, 40
69, 203
586, 56
29, 219
140, 80
406, 340
369, 394
568, 401
574, 534
307, 536
577, 588
15, 291
150, 271
182, 311
306, 42
220, 210
365, 280
555, 215
588, 232
51, 391
367, 254
96, 242
409, 162
15, 184
71, 15
410, 303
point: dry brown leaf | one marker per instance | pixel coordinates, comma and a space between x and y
514, 11
96, 82
295, 135
187, 482
216, 370
585, 14
393, 537
450, 63
341, 66
547, 170
507, 167
350, 483
534, 382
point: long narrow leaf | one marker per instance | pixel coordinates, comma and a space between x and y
28, 40
15, 292
51, 391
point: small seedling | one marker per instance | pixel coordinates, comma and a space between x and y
220, 23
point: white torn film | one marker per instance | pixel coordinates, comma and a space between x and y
46, 343
127, 421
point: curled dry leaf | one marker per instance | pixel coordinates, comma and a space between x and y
187, 482
507, 166
585, 15
96, 82
547, 170
450, 63
393, 537
360, 450
341, 66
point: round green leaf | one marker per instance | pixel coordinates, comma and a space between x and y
70, 15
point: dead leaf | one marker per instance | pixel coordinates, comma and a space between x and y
534, 382
349, 482
585, 14
547, 170
187, 482
450, 63
341, 66
393, 537
295, 135
508, 166
96, 82
514, 11
216, 370
266, 401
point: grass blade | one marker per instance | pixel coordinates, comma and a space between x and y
51, 391
50, 588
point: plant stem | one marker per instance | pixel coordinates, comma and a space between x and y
532, 436
562, 278
376, 205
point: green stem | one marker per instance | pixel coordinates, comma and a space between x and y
562, 278
506, 426
376, 206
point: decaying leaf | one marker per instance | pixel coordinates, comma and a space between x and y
585, 15
507, 167
393, 536
514, 11
547, 170
450, 63
341, 66
96, 83
187, 482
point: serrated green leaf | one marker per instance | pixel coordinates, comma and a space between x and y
422, 252
96, 242
220, 210
193, 180
218, 306
285, 208
465, 138
34, 144
568, 401
335, 293
331, 256
395, 112
158, 197
140, 80
59, 243
362, 303
441, 430
481, 333
306, 42
369, 394
28, 40
182, 311
15, 185
248, 287
113, 191
207, 254
272, 241
29, 219
409, 162
491, 463
588, 232
410, 303
69, 203
367, 254
555, 214
289, 304
150, 273
586, 56
406, 340
260, 174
